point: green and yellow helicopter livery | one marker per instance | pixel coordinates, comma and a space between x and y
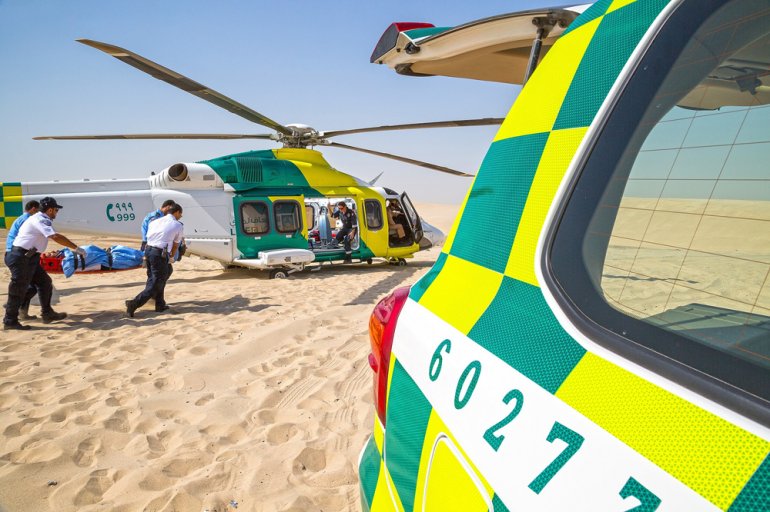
269, 209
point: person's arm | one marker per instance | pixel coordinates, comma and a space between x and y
66, 242
175, 246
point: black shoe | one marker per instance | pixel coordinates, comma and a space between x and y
161, 309
347, 260
16, 327
24, 314
53, 316
130, 308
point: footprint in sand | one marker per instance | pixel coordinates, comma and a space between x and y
5, 366
99, 482
84, 455
180, 468
79, 396
7, 401
281, 434
122, 420
309, 459
170, 383
204, 399
25, 426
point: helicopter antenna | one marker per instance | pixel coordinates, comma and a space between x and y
371, 183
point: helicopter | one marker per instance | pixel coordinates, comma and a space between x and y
261, 209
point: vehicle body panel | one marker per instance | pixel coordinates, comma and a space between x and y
581, 427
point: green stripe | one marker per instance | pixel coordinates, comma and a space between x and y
519, 328
420, 287
493, 211
498, 505
417, 33
369, 471
407, 420
616, 38
755, 496
596, 10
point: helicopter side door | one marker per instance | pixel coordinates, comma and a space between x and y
269, 222
412, 217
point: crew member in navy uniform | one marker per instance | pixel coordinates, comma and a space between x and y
163, 238
24, 263
30, 209
348, 230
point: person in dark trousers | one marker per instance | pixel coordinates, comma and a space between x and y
348, 230
30, 209
24, 264
163, 238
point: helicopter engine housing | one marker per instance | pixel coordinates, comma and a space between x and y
186, 176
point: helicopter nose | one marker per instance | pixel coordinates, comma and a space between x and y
431, 237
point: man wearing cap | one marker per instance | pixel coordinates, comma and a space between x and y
163, 238
30, 209
24, 263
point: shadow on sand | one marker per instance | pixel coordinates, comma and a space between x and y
107, 320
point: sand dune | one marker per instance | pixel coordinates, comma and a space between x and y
251, 392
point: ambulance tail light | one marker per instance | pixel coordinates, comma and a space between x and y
382, 327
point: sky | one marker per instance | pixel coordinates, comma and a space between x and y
295, 62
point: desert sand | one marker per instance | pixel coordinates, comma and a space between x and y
250, 393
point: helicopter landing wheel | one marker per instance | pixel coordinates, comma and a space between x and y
368, 261
279, 273
401, 262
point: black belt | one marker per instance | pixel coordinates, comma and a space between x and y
26, 252
153, 248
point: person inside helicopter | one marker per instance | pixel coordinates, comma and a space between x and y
348, 230
397, 225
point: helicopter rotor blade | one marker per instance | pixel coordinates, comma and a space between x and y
399, 158
157, 136
182, 82
411, 126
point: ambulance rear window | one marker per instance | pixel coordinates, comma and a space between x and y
669, 246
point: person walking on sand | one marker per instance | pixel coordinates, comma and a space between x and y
163, 238
30, 209
24, 264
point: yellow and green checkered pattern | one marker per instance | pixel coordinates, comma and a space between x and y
10, 204
504, 212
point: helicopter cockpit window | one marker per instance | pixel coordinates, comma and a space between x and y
373, 214
673, 242
310, 216
287, 216
255, 218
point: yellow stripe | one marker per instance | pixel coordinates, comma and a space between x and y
378, 434
2, 209
448, 478
12, 193
557, 155
448, 296
705, 452
617, 4
538, 105
381, 501
315, 168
